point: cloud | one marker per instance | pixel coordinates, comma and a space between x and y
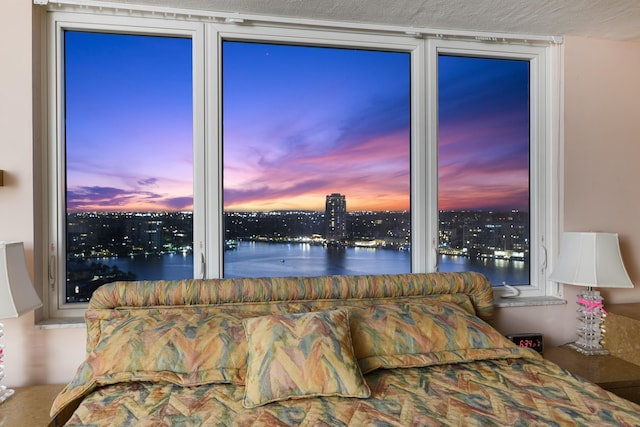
368, 150
180, 203
148, 182
265, 191
98, 198
80, 198
378, 117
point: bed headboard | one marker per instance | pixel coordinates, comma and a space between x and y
295, 289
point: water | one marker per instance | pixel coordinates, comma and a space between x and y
253, 259
263, 259
498, 271
155, 267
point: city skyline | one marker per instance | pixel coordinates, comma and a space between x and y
114, 111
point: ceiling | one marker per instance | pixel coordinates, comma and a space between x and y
607, 19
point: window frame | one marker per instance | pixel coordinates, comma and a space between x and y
207, 37
542, 139
54, 174
308, 37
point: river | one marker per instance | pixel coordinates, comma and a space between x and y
252, 259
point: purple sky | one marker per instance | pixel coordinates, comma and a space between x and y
483, 134
129, 123
298, 124
304, 122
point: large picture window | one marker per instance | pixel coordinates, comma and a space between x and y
316, 175
206, 149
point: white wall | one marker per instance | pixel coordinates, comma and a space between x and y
602, 96
32, 356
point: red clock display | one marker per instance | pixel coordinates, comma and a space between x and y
532, 341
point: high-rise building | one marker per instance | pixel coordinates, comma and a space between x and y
336, 217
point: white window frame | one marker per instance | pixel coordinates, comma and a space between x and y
207, 35
310, 37
54, 175
542, 153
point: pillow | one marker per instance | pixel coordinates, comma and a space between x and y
301, 355
190, 346
417, 334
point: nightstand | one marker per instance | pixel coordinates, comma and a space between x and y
609, 372
29, 406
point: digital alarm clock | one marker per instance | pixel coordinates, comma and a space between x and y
533, 341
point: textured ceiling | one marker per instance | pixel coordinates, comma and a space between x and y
608, 19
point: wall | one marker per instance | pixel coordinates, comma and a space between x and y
31, 355
601, 113
601, 175
602, 121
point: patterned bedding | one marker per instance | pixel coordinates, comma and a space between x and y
517, 392
393, 350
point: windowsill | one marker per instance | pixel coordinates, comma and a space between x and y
528, 301
61, 323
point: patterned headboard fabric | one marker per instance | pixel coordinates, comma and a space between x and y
296, 289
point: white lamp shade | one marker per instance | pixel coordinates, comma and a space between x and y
17, 295
591, 259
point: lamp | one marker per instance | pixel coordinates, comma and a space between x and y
17, 295
592, 260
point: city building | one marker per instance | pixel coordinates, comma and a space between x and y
336, 217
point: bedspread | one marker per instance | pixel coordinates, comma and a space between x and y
513, 392
384, 350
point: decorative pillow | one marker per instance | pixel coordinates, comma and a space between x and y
411, 335
301, 355
190, 346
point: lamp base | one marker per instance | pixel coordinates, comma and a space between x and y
5, 393
591, 314
588, 351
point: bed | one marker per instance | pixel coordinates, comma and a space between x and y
379, 350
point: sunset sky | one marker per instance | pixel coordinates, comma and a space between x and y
483, 133
298, 124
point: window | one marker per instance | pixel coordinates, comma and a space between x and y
129, 159
244, 158
316, 163
484, 167
495, 136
